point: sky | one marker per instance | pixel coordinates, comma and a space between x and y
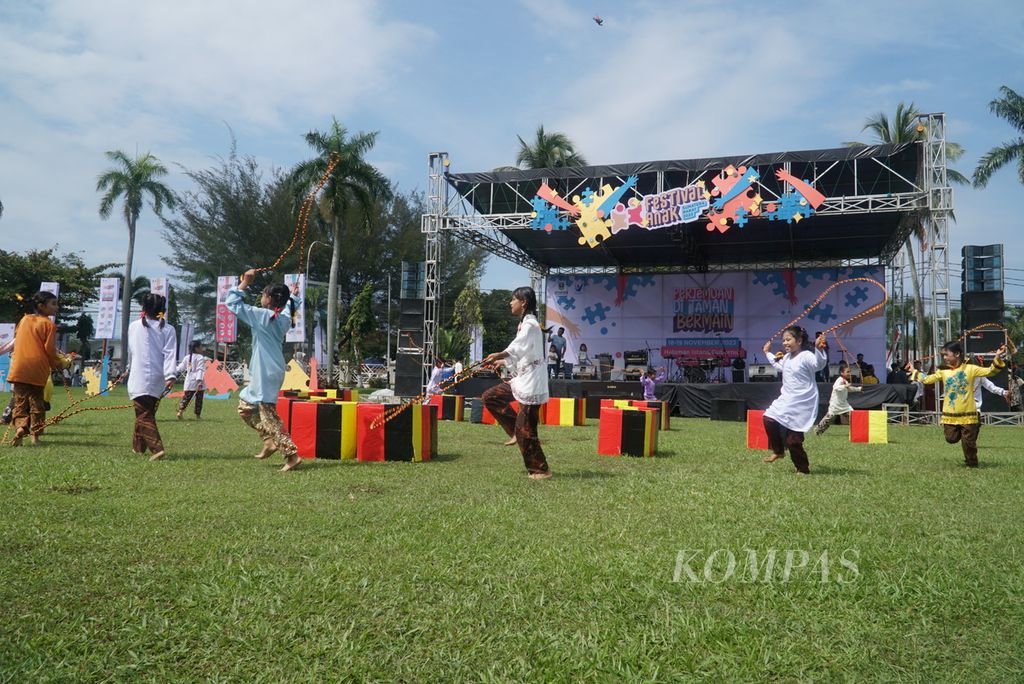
659, 80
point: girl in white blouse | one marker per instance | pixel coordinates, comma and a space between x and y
526, 359
194, 367
152, 368
794, 412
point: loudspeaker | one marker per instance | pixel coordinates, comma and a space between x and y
983, 342
729, 409
408, 375
981, 307
991, 403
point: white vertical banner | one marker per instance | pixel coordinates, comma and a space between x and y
50, 287
476, 344
106, 310
158, 286
185, 339
296, 283
318, 343
227, 322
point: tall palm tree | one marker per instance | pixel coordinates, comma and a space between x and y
1010, 107
548, 151
902, 128
133, 179
354, 183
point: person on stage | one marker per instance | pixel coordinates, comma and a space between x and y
525, 358
838, 405
793, 413
960, 421
558, 341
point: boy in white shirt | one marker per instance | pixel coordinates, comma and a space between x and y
838, 405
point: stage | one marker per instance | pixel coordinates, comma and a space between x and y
695, 400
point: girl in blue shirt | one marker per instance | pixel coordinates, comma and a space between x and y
257, 400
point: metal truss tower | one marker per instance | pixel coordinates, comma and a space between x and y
936, 224
437, 204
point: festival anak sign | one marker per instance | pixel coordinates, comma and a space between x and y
732, 201
227, 323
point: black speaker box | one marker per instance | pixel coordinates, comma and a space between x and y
993, 403
983, 342
729, 409
992, 299
408, 375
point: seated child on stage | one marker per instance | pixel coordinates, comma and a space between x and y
838, 405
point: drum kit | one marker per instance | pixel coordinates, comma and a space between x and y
699, 370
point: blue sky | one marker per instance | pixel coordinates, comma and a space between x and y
660, 80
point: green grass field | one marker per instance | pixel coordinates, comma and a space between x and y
214, 566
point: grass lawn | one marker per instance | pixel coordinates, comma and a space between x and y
214, 566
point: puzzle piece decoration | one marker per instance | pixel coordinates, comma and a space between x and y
774, 280
822, 313
545, 217
552, 196
792, 206
736, 200
595, 313
295, 378
858, 296
566, 302
588, 197
594, 219
91, 380
633, 282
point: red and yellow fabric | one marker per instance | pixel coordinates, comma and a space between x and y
869, 427
409, 436
563, 411
449, 406
629, 431
757, 438
662, 406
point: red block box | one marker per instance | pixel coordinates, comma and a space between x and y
627, 431
449, 406
662, 406
563, 411
757, 438
409, 436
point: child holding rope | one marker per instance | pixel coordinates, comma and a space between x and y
194, 366
257, 400
152, 353
960, 421
793, 413
526, 359
33, 357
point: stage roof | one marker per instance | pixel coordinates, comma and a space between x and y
868, 190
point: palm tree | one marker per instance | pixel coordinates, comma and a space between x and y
903, 128
1010, 107
134, 179
548, 151
353, 183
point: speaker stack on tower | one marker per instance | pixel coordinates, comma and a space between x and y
979, 308
409, 359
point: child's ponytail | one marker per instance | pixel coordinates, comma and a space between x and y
153, 306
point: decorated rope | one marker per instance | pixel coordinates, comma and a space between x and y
863, 314
302, 224
393, 411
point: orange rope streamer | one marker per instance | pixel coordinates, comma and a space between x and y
390, 413
302, 224
866, 312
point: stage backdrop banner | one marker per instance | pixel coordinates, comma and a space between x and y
685, 319
296, 282
106, 309
227, 322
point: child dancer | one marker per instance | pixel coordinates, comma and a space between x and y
959, 412
838, 405
793, 413
34, 355
194, 367
648, 381
529, 385
257, 400
152, 348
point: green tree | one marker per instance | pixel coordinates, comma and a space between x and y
499, 323
360, 323
232, 219
21, 275
467, 312
1009, 107
84, 330
132, 180
548, 151
355, 184
906, 127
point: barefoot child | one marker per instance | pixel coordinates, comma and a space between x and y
257, 402
34, 355
960, 421
152, 352
838, 405
194, 367
793, 413
529, 385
